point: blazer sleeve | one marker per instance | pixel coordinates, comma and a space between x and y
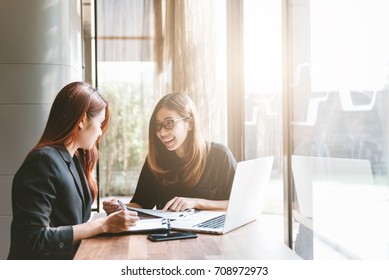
35, 189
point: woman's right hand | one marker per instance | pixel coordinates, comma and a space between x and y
117, 221
120, 221
111, 206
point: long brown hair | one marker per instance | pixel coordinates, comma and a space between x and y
69, 107
159, 158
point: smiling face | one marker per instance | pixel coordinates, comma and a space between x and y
174, 138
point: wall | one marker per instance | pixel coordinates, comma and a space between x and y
40, 52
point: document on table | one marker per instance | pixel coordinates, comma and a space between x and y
148, 225
172, 215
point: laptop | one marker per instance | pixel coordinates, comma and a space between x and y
245, 204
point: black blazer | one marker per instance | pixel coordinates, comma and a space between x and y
50, 193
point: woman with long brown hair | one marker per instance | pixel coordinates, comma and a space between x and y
53, 190
182, 170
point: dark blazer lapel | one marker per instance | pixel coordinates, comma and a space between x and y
72, 168
76, 177
85, 184
81, 182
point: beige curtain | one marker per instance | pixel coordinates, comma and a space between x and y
194, 54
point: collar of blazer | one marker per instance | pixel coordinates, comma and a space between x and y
65, 155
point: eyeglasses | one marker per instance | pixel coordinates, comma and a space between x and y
167, 124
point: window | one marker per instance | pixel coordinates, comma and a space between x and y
146, 49
263, 92
125, 76
339, 89
337, 62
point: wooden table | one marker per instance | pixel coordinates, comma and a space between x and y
255, 240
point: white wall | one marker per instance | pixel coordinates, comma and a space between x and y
40, 52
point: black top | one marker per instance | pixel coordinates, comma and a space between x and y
215, 182
50, 193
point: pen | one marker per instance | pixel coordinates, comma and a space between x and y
124, 207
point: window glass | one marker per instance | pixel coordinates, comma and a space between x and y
263, 95
126, 70
340, 102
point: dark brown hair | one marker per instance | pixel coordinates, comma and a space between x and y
69, 108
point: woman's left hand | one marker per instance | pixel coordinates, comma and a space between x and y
180, 204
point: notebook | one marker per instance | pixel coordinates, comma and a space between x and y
245, 204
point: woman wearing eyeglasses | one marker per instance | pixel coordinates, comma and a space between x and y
182, 170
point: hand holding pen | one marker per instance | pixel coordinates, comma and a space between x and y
123, 205
111, 206
122, 220
125, 209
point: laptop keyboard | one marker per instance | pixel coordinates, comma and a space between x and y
217, 222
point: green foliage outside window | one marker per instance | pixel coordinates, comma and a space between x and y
124, 146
